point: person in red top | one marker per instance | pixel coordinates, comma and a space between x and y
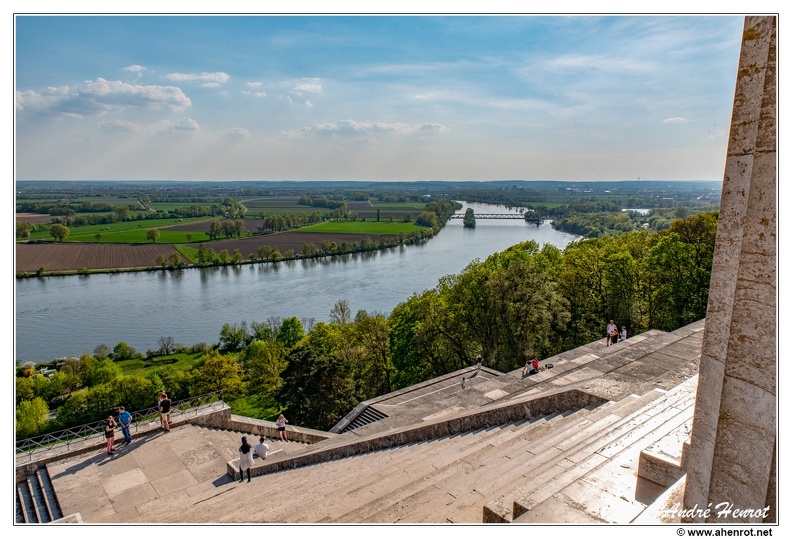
535, 365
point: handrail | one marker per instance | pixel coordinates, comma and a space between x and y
68, 436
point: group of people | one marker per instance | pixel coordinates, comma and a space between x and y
613, 335
124, 421
261, 450
532, 366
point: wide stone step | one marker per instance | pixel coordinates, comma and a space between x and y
647, 424
564, 447
392, 501
392, 485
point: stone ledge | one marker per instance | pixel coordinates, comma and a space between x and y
554, 402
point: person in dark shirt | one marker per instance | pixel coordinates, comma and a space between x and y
164, 409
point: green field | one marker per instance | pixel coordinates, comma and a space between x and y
361, 227
128, 232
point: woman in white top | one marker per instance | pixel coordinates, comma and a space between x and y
281, 424
245, 459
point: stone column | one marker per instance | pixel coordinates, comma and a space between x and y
732, 454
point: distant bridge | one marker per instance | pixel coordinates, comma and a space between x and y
531, 219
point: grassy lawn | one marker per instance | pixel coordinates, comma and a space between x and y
361, 227
179, 362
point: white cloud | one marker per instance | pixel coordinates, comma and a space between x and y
99, 96
120, 126
677, 120
136, 69
184, 124
216, 78
254, 94
583, 62
254, 84
45, 99
308, 86
352, 127
236, 132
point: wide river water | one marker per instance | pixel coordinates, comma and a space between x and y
66, 316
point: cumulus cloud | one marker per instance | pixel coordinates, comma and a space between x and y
254, 94
205, 79
99, 96
676, 120
45, 99
354, 128
254, 84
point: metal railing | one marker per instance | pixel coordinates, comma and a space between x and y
140, 418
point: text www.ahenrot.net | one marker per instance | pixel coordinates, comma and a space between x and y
725, 532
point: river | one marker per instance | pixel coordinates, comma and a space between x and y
66, 316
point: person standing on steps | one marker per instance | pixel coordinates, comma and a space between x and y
463, 383
281, 424
245, 459
164, 408
611, 330
109, 432
125, 420
623, 334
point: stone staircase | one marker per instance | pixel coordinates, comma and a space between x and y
36, 501
579, 485
526, 468
595, 439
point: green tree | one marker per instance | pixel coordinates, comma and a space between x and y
290, 332
23, 231
121, 213
217, 372
133, 392
175, 260
318, 386
152, 234
370, 333
123, 352
59, 232
98, 371
24, 389
234, 337
341, 313
31, 417
264, 361
161, 260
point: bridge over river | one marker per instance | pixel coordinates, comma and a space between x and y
525, 217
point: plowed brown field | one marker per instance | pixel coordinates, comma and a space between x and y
74, 256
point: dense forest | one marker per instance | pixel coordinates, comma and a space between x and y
523, 302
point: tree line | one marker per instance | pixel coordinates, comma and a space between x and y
526, 301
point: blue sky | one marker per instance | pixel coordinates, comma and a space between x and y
565, 97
